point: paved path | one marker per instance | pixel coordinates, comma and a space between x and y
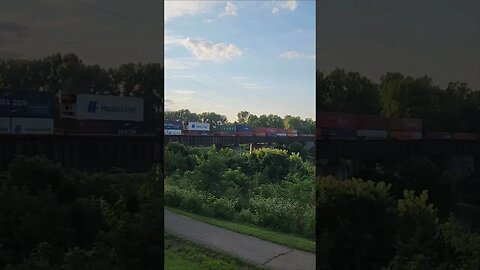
246, 247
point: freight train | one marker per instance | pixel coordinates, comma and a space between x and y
187, 128
348, 126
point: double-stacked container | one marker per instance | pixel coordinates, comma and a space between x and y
265, 132
172, 128
292, 133
405, 128
281, 132
196, 129
244, 130
26, 112
224, 130
372, 127
333, 125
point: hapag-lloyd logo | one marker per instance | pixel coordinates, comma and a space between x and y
92, 108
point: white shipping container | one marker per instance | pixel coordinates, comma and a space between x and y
5, 125
97, 107
32, 125
372, 134
172, 132
282, 134
197, 126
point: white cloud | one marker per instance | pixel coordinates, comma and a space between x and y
205, 50
290, 4
183, 8
184, 92
229, 10
294, 55
180, 63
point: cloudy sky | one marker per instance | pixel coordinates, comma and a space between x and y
231, 56
438, 38
105, 32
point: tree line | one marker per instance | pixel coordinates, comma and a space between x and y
306, 126
455, 107
67, 73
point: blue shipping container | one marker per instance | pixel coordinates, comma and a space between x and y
172, 125
26, 104
244, 128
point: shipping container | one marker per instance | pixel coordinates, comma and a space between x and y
437, 135
101, 127
406, 135
223, 133
224, 128
405, 124
244, 133
196, 126
282, 134
292, 134
339, 133
244, 128
372, 134
271, 134
372, 122
261, 134
32, 125
196, 133
173, 125
292, 131
98, 107
265, 130
27, 104
172, 132
5, 125
337, 120
464, 136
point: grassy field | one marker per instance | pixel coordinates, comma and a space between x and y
182, 255
268, 235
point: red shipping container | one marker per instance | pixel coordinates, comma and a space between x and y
438, 135
372, 122
223, 133
405, 124
281, 130
292, 131
265, 130
464, 136
336, 120
406, 135
260, 134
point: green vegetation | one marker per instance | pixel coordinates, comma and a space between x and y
181, 254
303, 126
268, 188
451, 108
269, 235
51, 218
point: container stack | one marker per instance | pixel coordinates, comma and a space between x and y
405, 128
196, 129
172, 128
281, 132
26, 112
337, 125
102, 115
244, 130
292, 133
372, 127
224, 130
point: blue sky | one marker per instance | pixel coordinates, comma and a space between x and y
229, 56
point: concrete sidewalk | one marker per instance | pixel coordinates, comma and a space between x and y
247, 248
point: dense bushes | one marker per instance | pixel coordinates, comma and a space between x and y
54, 219
362, 226
269, 187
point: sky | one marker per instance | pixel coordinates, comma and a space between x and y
437, 38
232, 56
104, 32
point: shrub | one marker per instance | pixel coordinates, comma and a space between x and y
223, 208
246, 216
